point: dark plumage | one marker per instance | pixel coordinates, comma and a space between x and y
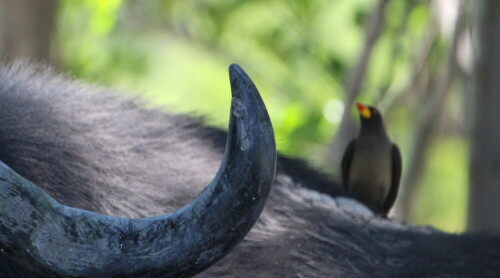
371, 166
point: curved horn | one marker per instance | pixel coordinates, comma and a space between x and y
41, 234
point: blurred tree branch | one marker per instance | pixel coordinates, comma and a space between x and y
419, 73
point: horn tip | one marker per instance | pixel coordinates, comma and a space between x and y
240, 81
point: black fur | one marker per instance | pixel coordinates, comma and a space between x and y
95, 149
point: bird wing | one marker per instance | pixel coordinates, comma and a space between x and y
396, 177
346, 162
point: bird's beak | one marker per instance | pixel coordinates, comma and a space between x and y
363, 111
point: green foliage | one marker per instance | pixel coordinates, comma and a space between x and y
442, 198
89, 46
282, 44
300, 54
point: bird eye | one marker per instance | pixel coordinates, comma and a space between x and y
375, 111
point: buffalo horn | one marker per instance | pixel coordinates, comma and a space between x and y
40, 234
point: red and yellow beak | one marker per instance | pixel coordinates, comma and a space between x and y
364, 111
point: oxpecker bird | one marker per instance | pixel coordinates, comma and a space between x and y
371, 166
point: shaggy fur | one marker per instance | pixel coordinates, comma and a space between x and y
95, 149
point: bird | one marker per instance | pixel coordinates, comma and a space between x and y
371, 165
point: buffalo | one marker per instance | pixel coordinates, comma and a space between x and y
92, 184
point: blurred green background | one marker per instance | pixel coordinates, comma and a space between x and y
301, 55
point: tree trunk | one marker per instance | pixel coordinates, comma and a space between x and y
484, 192
27, 28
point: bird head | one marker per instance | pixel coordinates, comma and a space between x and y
368, 112
370, 117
